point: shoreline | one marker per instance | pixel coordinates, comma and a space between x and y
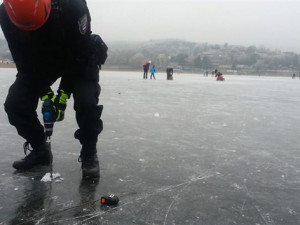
274, 73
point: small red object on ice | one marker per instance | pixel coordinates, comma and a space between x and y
109, 200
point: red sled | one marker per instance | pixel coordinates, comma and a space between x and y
220, 78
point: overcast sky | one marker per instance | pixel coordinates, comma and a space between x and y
269, 23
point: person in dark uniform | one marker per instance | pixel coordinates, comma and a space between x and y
48, 40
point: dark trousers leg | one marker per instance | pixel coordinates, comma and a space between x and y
88, 113
145, 74
20, 106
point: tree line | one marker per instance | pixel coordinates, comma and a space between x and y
192, 56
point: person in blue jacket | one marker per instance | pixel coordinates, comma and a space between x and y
152, 72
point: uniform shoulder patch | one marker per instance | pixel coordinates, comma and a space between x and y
83, 24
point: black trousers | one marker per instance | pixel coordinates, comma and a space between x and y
145, 74
22, 101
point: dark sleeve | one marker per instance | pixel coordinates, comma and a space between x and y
18, 43
78, 31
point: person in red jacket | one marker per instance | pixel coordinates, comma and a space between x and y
48, 40
220, 77
146, 66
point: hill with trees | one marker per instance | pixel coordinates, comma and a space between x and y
199, 57
195, 57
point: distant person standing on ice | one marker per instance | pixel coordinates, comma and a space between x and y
48, 40
152, 72
146, 66
169, 73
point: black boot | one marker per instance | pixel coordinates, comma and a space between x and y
90, 166
89, 161
39, 155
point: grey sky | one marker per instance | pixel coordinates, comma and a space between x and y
268, 23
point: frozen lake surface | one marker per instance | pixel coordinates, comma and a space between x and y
187, 151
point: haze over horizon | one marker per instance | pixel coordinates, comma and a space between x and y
263, 23
273, 24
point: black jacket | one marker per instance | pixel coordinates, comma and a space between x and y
60, 48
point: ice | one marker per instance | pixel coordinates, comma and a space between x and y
55, 176
186, 151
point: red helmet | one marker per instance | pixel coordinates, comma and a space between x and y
28, 15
